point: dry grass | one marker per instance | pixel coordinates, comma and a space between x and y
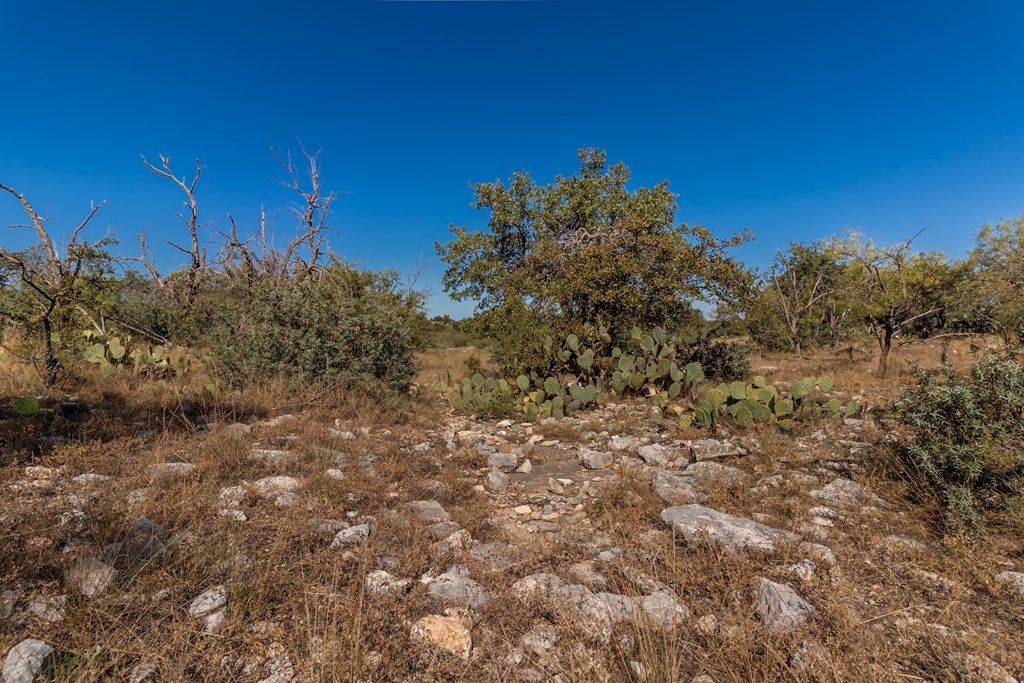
882, 614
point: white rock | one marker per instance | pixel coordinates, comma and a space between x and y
654, 454
780, 607
208, 601
165, 471
456, 588
214, 621
26, 660
354, 535
594, 460
696, 522
1012, 580
380, 582
90, 575
90, 479
271, 487
495, 482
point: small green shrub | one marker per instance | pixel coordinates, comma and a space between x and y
310, 331
721, 360
968, 435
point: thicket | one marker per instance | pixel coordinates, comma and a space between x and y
241, 309
968, 437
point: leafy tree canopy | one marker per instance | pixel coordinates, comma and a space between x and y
586, 248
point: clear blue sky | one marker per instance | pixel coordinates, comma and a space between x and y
796, 119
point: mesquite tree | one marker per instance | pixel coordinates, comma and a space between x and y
57, 284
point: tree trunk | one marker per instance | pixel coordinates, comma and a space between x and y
50, 362
884, 345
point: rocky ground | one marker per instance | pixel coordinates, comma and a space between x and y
594, 548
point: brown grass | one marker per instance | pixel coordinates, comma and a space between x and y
289, 591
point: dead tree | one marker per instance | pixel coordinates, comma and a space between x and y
195, 251
55, 280
311, 212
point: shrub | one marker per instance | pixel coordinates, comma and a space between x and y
969, 434
310, 331
721, 360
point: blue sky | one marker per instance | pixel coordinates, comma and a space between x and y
797, 120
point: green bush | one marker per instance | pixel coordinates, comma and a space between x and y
969, 435
312, 331
721, 360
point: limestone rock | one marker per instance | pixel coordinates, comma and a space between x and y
444, 633
496, 482
1012, 580
90, 576
429, 510
504, 462
381, 582
208, 601
654, 454
979, 669
710, 449
573, 601
696, 522
780, 607
454, 587
675, 488
354, 535
594, 460
27, 660
846, 493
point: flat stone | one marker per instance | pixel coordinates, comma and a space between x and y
505, 462
526, 467
8, 599
654, 454
27, 660
696, 522
237, 429
572, 601
846, 493
90, 479
1012, 580
443, 633
214, 621
272, 456
208, 601
675, 488
144, 672
428, 510
495, 482
780, 607
271, 487
354, 535
456, 588
623, 443
380, 582
90, 576
710, 449
496, 557
594, 460
47, 608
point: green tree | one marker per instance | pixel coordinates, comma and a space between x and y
808, 286
897, 287
54, 287
586, 248
998, 263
